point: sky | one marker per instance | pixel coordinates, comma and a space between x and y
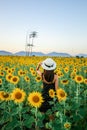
61, 25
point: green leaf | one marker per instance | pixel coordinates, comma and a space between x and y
39, 114
29, 121
33, 110
11, 125
25, 109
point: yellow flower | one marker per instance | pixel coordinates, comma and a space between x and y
67, 125
66, 69
74, 70
18, 95
38, 78
61, 94
51, 93
24, 72
33, 73
6, 68
20, 72
8, 77
31, 69
60, 74
27, 79
12, 69
35, 99
1, 73
85, 80
4, 96
1, 95
14, 79
64, 81
0, 81
9, 71
85, 71
72, 75
78, 78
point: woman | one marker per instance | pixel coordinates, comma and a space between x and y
50, 81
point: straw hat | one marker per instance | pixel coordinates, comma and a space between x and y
49, 64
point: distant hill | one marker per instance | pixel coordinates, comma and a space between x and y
58, 54
38, 54
23, 53
20, 53
5, 53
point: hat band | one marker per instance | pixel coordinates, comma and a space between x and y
48, 65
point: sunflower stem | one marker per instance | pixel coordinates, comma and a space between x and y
61, 119
36, 128
20, 117
85, 99
64, 108
77, 96
9, 110
77, 93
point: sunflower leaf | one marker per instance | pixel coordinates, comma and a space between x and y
29, 121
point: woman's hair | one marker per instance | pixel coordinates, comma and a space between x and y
48, 75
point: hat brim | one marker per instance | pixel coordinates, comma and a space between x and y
48, 68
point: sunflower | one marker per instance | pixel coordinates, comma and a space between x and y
31, 69
14, 79
66, 69
6, 68
27, 79
61, 94
24, 72
1, 95
1, 73
60, 74
20, 72
35, 99
12, 69
78, 78
64, 81
85, 71
67, 125
0, 81
33, 73
18, 95
8, 77
38, 78
9, 71
0, 67
74, 70
72, 75
85, 80
4, 96
51, 93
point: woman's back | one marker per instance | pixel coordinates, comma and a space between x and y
47, 85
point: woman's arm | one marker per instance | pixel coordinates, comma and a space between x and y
56, 82
37, 69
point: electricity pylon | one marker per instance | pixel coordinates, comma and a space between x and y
29, 42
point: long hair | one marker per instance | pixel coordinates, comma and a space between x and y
48, 75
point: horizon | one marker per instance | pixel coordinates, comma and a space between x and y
45, 53
61, 26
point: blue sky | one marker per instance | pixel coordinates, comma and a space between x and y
61, 25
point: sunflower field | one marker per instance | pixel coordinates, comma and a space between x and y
20, 94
